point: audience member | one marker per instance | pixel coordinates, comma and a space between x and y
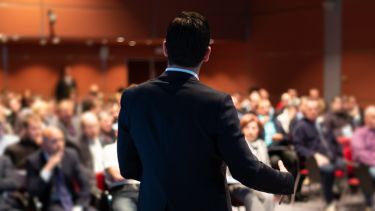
107, 134
30, 141
55, 175
338, 120
124, 191
252, 199
312, 142
363, 146
68, 123
91, 146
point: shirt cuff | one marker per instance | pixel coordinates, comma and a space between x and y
77, 208
45, 175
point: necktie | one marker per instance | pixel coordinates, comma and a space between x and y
62, 191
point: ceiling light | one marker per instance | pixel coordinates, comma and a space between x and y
132, 43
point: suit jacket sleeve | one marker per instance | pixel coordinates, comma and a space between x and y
35, 185
7, 183
243, 165
128, 157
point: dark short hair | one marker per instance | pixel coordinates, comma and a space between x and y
187, 40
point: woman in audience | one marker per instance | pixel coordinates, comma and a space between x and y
252, 199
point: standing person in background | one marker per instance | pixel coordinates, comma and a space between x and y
66, 86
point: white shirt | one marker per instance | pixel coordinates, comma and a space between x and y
96, 151
110, 160
7, 140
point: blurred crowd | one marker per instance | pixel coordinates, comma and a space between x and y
61, 154
322, 141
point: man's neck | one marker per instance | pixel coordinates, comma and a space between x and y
194, 69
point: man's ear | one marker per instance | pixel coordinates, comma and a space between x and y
165, 52
207, 54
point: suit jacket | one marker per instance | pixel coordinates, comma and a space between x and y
85, 154
73, 173
7, 172
72, 140
8, 183
308, 141
176, 135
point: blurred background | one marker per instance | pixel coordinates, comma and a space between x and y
276, 45
65, 63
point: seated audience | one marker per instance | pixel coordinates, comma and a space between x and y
283, 149
107, 134
363, 146
338, 120
14, 112
354, 110
55, 176
6, 133
311, 142
265, 115
45, 111
68, 123
252, 199
124, 191
91, 146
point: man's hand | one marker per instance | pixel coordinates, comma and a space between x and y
279, 198
277, 137
321, 159
282, 167
54, 160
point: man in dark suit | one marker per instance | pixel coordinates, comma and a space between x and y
8, 184
55, 176
176, 134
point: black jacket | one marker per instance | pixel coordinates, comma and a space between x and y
308, 141
19, 152
73, 173
8, 183
176, 135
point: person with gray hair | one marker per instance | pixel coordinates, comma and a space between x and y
53, 174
